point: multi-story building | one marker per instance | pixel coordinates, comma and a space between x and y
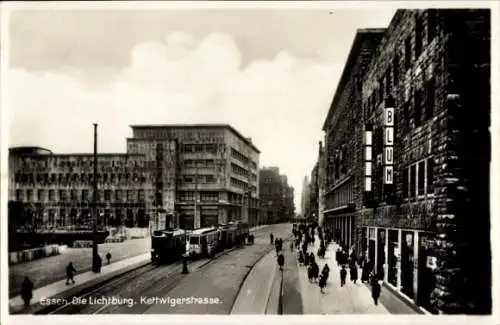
215, 179
421, 154
56, 190
321, 184
276, 196
313, 202
344, 167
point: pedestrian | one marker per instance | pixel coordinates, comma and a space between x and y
301, 258
281, 261
311, 258
70, 272
98, 263
108, 257
27, 291
306, 259
315, 271
337, 256
365, 274
375, 290
271, 237
343, 275
322, 282
354, 273
291, 245
326, 270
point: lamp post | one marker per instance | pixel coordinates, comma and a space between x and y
185, 269
95, 267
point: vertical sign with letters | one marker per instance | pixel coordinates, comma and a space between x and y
368, 158
389, 145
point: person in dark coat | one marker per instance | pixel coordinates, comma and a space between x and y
315, 272
322, 282
326, 270
301, 258
70, 273
281, 261
27, 291
375, 290
108, 257
343, 275
271, 238
98, 263
354, 273
365, 274
337, 256
306, 259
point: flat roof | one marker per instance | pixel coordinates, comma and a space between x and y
197, 126
351, 60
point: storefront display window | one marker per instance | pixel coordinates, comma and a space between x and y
393, 254
407, 264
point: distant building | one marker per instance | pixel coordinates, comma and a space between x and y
55, 190
276, 196
304, 197
216, 171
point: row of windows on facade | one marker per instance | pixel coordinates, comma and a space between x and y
86, 162
341, 197
242, 158
85, 214
180, 134
74, 195
242, 185
418, 179
392, 74
46, 178
242, 171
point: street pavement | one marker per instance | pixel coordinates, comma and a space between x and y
51, 269
219, 281
292, 297
252, 298
352, 298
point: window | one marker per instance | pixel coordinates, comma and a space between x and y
73, 195
408, 56
52, 195
413, 176
388, 81
418, 36
405, 183
107, 195
118, 195
430, 102
130, 195
62, 195
430, 176
431, 25
395, 68
19, 195
141, 195
381, 91
188, 179
41, 195
85, 195
417, 114
421, 178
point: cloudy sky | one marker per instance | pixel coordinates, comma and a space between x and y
270, 73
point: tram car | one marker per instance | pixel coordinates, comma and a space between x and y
242, 232
227, 237
167, 245
203, 242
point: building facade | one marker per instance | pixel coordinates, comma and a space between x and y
423, 152
304, 197
56, 190
276, 196
216, 178
343, 152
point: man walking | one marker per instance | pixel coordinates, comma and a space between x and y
70, 272
343, 275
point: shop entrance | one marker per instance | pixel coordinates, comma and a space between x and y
407, 264
392, 256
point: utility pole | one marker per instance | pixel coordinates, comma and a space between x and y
95, 252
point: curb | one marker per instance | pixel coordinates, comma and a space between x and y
37, 308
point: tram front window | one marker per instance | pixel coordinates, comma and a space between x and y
194, 240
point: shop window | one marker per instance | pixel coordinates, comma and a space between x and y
421, 178
413, 177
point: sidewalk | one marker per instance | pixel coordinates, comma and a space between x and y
83, 280
255, 292
52, 269
350, 299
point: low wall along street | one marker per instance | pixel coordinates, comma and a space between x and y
35, 253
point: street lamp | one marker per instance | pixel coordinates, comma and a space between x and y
185, 269
95, 253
